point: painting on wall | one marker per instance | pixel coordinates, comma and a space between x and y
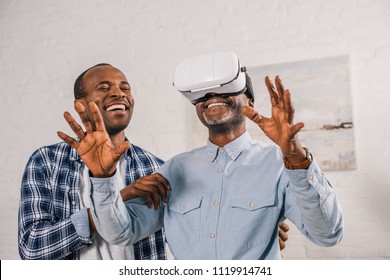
321, 95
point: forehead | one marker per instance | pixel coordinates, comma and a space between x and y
104, 73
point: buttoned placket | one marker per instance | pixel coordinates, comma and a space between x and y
74, 188
215, 202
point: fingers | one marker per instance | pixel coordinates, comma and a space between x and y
277, 94
77, 129
284, 227
279, 87
154, 191
251, 114
157, 185
68, 140
282, 244
150, 188
96, 117
136, 193
272, 92
281, 97
283, 237
80, 109
290, 110
148, 197
162, 179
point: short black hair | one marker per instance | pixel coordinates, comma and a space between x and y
78, 88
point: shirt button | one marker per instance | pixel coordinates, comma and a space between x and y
212, 235
219, 170
310, 177
252, 205
216, 202
73, 202
221, 151
183, 208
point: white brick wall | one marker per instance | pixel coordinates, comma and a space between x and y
46, 44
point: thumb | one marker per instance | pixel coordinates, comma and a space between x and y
252, 114
297, 127
119, 151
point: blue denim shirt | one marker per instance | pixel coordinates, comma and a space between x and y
227, 203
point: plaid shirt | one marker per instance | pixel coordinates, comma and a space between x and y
50, 196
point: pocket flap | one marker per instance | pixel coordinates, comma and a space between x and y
185, 206
253, 202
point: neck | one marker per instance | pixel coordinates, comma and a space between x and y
118, 138
222, 138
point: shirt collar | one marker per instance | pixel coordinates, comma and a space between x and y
233, 149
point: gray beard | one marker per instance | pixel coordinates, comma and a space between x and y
226, 124
220, 121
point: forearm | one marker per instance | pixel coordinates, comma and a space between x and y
48, 240
320, 214
42, 234
117, 222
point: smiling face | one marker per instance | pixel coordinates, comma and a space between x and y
109, 89
223, 114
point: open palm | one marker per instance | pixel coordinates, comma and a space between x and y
279, 127
95, 147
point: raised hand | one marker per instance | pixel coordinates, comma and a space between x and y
150, 188
95, 147
280, 127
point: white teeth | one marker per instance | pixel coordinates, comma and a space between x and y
216, 104
116, 106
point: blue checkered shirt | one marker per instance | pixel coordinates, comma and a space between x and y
50, 196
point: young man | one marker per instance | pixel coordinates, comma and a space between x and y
228, 197
54, 215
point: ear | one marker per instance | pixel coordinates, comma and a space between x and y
251, 103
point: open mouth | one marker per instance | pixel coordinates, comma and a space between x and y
216, 104
116, 107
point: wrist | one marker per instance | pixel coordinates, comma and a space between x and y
298, 162
126, 193
104, 175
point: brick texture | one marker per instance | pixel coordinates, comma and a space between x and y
46, 44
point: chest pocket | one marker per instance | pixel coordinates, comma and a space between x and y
255, 215
253, 203
183, 223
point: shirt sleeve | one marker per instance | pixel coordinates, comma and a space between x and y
118, 222
80, 221
311, 204
42, 234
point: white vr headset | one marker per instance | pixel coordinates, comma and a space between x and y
219, 73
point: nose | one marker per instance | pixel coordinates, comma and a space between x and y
117, 92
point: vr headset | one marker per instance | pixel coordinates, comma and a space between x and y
219, 73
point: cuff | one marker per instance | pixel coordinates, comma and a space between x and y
80, 221
312, 176
106, 185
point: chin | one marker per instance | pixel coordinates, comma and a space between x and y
116, 129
